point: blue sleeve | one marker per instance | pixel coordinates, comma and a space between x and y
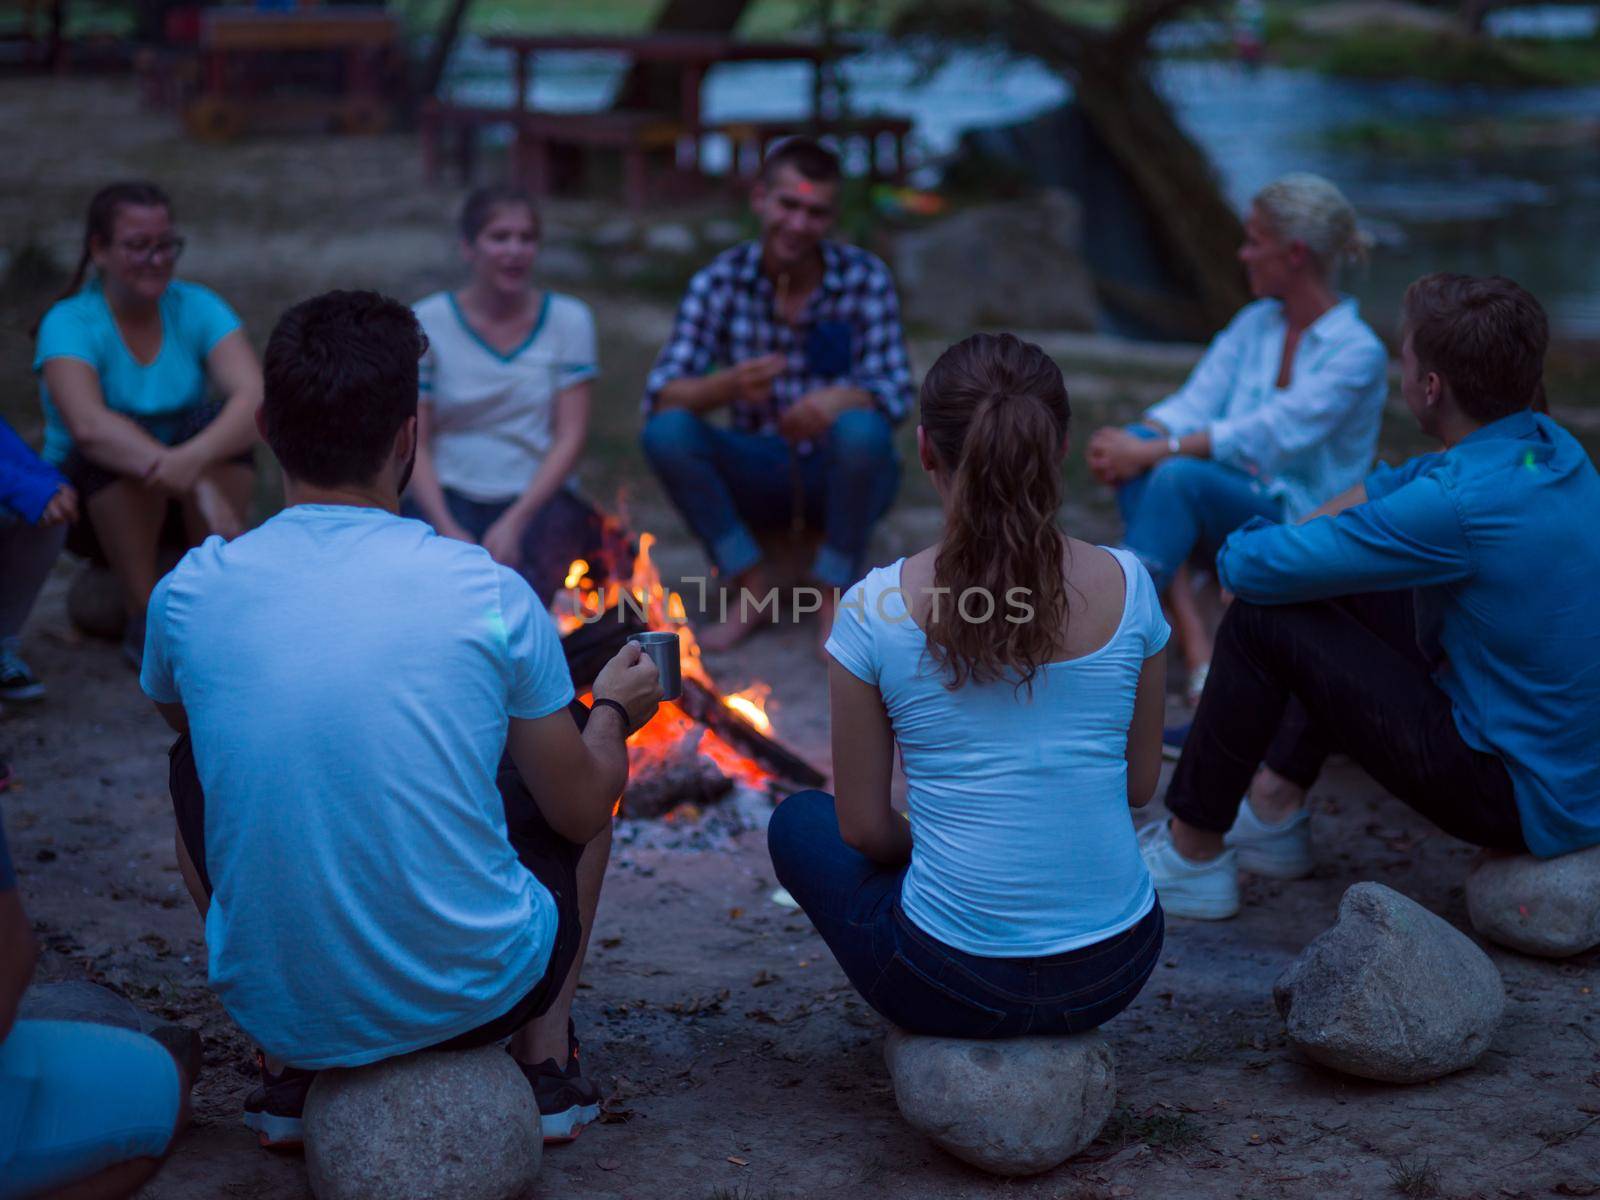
27, 482
1321, 398
8, 874
1199, 401
696, 334
156, 675
850, 643
1385, 479
881, 367
66, 333
1409, 538
207, 319
540, 681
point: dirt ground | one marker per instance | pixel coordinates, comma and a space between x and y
738, 1061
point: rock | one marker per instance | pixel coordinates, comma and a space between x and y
426, 1125
80, 1000
1012, 1107
1016, 264
670, 239
565, 262
94, 603
723, 231
614, 234
1391, 992
1544, 906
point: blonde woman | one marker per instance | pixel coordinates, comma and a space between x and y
1280, 415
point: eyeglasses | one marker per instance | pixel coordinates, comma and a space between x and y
147, 250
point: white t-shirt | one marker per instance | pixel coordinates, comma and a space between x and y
1022, 842
348, 676
493, 413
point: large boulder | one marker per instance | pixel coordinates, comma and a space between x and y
1016, 264
1391, 992
1013, 1107
1544, 906
460, 1125
80, 1000
94, 602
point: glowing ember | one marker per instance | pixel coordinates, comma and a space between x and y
583, 600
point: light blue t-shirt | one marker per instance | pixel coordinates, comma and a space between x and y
193, 320
1498, 538
348, 675
1022, 842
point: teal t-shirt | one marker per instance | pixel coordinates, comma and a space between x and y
193, 320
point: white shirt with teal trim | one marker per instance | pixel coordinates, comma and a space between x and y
493, 413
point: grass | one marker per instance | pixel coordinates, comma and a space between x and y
1416, 1178
1158, 1128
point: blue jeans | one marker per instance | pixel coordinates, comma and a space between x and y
566, 528
725, 483
1183, 507
924, 986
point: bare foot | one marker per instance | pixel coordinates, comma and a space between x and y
743, 616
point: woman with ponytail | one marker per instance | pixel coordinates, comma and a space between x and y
125, 358
1018, 672
1280, 415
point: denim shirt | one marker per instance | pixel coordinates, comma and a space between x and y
1500, 536
1307, 442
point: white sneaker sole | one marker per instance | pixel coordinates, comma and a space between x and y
273, 1131
1273, 866
565, 1126
1198, 908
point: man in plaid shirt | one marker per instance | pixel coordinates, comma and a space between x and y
799, 338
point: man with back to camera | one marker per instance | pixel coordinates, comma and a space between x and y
1434, 623
799, 338
345, 682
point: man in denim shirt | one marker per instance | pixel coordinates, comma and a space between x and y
799, 338
1433, 622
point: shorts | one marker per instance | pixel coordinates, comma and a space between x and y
170, 430
551, 859
77, 1098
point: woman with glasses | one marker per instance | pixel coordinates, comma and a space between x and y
504, 411
129, 359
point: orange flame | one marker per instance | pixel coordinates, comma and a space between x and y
583, 601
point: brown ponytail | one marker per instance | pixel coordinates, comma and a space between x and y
100, 225
995, 410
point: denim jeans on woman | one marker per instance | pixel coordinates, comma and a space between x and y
1183, 507
919, 983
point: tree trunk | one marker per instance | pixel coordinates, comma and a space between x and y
653, 87
1197, 227
444, 41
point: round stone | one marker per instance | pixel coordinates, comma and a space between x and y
94, 603
461, 1124
1390, 992
1012, 1107
1544, 906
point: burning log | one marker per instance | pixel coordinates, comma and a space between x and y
709, 708
680, 775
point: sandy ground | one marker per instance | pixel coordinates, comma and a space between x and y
716, 1020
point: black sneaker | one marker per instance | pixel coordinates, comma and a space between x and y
1172, 739
567, 1100
17, 681
274, 1109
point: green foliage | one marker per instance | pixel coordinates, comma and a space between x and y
1416, 1178
1158, 1128
1450, 58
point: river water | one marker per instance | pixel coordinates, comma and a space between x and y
1528, 213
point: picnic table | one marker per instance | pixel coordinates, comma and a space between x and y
640, 136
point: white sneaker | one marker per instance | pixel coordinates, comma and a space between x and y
1205, 891
1279, 851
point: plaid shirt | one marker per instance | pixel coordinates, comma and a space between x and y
729, 315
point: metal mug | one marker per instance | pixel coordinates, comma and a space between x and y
662, 647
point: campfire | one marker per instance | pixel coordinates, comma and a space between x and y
704, 744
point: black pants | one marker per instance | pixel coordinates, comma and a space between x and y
1290, 682
551, 858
